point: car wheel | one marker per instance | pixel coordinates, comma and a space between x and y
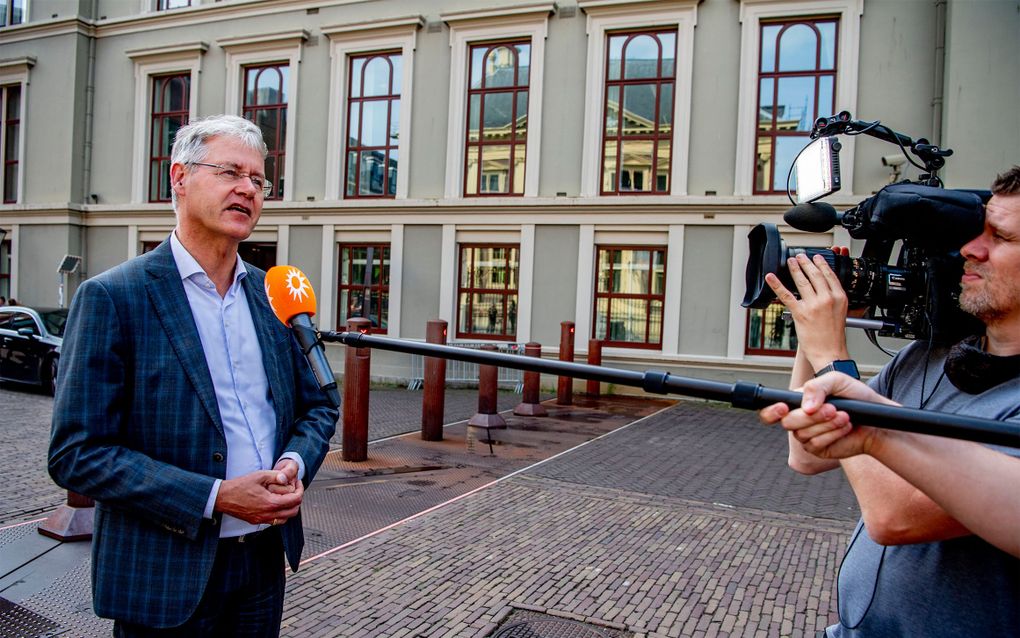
49, 376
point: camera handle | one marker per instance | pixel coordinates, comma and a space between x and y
741, 394
933, 156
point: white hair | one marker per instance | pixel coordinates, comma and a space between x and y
190, 140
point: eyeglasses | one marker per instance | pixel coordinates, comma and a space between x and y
230, 175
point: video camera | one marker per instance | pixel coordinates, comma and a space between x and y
917, 296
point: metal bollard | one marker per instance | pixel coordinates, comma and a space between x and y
72, 521
565, 385
530, 404
433, 385
593, 388
488, 382
357, 365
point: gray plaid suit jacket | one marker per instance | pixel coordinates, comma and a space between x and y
137, 428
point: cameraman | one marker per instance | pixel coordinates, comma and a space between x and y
914, 565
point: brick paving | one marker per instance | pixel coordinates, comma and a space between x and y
24, 438
684, 523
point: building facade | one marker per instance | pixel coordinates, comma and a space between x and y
503, 166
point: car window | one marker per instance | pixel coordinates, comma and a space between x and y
5, 320
21, 320
54, 322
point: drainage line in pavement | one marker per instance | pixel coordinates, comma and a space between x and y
741, 394
469, 493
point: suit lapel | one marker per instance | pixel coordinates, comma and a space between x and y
166, 293
264, 320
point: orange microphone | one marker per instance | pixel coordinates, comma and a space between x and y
293, 302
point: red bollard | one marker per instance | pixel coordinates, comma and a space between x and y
72, 521
593, 388
565, 385
357, 365
433, 385
488, 383
530, 404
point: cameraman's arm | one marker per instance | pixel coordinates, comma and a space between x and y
820, 318
894, 511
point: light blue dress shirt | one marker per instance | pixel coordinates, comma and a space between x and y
232, 352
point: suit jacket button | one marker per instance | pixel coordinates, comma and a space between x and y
218, 457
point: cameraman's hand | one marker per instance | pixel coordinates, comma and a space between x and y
820, 313
823, 430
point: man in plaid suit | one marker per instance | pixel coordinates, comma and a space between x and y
188, 412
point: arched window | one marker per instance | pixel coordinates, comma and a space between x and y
796, 85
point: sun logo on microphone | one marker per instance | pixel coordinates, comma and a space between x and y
297, 285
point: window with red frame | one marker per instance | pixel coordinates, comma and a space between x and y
770, 332
373, 125
637, 130
5, 268
630, 291
497, 119
796, 85
487, 291
364, 285
10, 107
169, 112
265, 103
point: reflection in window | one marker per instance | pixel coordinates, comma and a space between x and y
630, 290
364, 285
265, 103
769, 331
12, 12
796, 85
638, 125
170, 103
487, 291
10, 141
373, 122
497, 119
163, 5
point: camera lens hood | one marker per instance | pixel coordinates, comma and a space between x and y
766, 256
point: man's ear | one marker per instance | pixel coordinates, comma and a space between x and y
177, 172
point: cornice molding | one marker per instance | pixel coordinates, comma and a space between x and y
282, 38
403, 23
185, 49
540, 8
47, 29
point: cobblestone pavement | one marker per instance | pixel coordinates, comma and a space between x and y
25, 417
641, 530
684, 523
24, 438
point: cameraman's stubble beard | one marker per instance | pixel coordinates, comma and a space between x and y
983, 302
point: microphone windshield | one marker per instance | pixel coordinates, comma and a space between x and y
816, 217
289, 293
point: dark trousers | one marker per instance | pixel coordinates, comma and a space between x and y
243, 599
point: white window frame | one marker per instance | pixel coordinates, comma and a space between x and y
752, 12
149, 63
530, 22
591, 237
611, 16
25, 17
267, 49
13, 72
355, 39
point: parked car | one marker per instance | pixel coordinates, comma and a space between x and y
30, 340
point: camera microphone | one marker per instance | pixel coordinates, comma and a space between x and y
814, 217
